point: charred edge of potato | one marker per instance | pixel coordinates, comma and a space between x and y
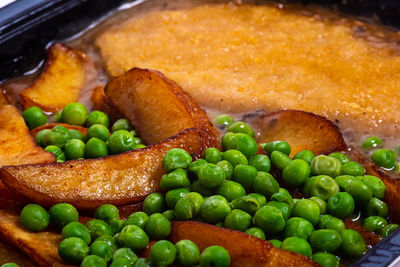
281, 125
50, 126
25, 183
101, 102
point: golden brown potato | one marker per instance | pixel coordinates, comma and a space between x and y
118, 179
245, 250
158, 107
9, 253
41, 247
302, 130
101, 102
3, 99
50, 126
60, 81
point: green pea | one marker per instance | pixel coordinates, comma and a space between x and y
299, 227
185, 209
9, 264
154, 203
227, 141
260, 198
97, 117
283, 196
98, 130
34, 117
245, 144
374, 223
279, 159
196, 199
270, 219
73, 250
93, 260
238, 220
116, 225
324, 165
76, 229
297, 244
359, 191
234, 157
307, 209
142, 262
172, 196
352, 168
169, 214
39, 138
321, 186
342, 157
377, 207
101, 249
95, 148
329, 222
260, 162
325, 259
98, 228
275, 242
120, 141
126, 253
120, 262
137, 140
344, 180
212, 155
231, 190
244, 175
34, 218
227, 167
385, 158
296, 172
281, 146
109, 240
305, 155
257, 232
371, 142
195, 166
241, 127
215, 209
74, 113
341, 205
62, 214
247, 203
376, 185
353, 244
121, 124
57, 116
224, 120
283, 207
133, 237
74, 149
211, 175
75, 134
215, 256
157, 226
321, 204
388, 229
196, 186
176, 179
106, 212
138, 218
325, 240
58, 136
187, 253
176, 158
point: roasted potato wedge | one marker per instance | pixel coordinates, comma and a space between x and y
59, 83
3, 99
50, 126
8, 253
245, 250
101, 102
302, 130
158, 107
118, 179
41, 247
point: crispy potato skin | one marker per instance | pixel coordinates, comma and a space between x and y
101, 102
60, 81
245, 250
50, 126
118, 179
158, 107
302, 130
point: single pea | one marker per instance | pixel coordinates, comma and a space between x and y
106, 212
241, 127
344, 180
62, 214
279, 159
283, 196
176, 179
371, 142
58, 136
388, 229
98, 228
341, 205
187, 253
353, 244
238, 220
76, 229
265, 183
162, 253
169, 215
235, 157
212, 155
321, 186
120, 141
275, 242
296, 172
172, 196
34, 218
116, 225
305, 155
196, 186
215, 256
137, 140
121, 124
9, 264
374, 223
227, 141
283, 207
281, 146
158, 227
34, 117
133, 132
142, 262
98, 130
195, 166
138, 218
352, 168
298, 245
97, 117
325, 165
133, 237
126, 253
185, 209
342, 157
257, 232
269, 219
101, 249
211, 175
325, 259
57, 116
95, 148
224, 120
154, 203
231, 190
260, 162
227, 167
321, 204
299, 227
39, 138
75, 134
376, 185
325, 240
176, 158
73, 250
244, 175
359, 191
93, 260
377, 207
215, 209
260, 198
74, 149
329, 222
245, 144
74, 113
196, 199
109, 240
385, 158
246, 203
120, 262
307, 209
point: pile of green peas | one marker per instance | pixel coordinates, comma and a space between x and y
71, 144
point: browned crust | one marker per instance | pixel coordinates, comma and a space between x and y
3, 99
101, 102
50, 126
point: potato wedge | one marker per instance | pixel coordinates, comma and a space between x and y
101, 102
60, 81
3, 99
302, 130
158, 107
50, 126
118, 179
41, 247
245, 250
8, 253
